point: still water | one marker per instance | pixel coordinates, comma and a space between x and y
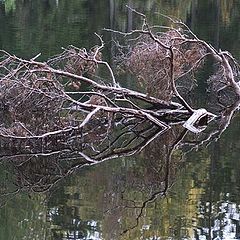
193, 195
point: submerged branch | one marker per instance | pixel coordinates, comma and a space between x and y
68, 103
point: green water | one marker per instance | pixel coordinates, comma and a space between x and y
120, 198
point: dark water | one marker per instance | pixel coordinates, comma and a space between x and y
122, 198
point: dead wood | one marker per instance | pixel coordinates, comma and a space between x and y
67, 103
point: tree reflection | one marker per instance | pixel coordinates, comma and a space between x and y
132, 192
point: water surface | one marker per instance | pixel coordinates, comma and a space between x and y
194, 195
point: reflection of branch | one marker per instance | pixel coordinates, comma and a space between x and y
144, 205
32, 177
162, 192
128, 151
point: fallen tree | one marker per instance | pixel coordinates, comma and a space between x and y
74, 100
70, 111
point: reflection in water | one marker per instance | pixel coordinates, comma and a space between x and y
165, 191
223, 218
128, 198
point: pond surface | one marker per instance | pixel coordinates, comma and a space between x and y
195, 194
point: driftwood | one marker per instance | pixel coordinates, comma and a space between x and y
74, 103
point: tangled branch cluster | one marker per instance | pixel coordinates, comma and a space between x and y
67, 104
151, 62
